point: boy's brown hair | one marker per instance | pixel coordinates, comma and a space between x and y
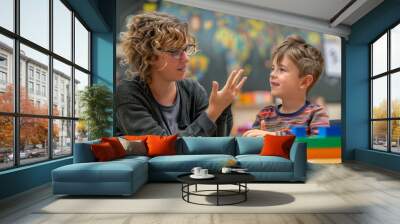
307, 58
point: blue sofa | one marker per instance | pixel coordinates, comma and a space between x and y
125, 176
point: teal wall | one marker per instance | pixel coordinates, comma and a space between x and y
24, 178
99, 16
356, 82
103, 49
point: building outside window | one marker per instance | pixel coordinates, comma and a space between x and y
38, 89
37, 75
30, 87
43, 90
3, 78
30, 72
43, 78
3, 61
3, 72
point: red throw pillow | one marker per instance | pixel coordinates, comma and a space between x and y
116, 145
161, 145
277, 145
103, 152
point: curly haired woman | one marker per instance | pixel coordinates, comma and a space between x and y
158, 99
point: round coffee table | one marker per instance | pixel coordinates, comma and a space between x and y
238, 179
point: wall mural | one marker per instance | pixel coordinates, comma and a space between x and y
227, 42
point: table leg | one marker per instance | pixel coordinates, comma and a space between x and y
188, 189
217, 194
245, 193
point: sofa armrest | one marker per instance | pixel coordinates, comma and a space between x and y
83, 152
298, 155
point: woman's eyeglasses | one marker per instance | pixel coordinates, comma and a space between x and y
189, 49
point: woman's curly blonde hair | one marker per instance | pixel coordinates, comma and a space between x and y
307, 58
147, 35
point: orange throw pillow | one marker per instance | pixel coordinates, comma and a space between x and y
135, 137
277, 145
103, 152
116, 145
161, 145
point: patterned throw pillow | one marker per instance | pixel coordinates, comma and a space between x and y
133, 147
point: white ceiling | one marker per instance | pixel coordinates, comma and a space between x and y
319, 9
325, 16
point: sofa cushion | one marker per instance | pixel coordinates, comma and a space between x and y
112, 171
185, 163
116, 170
206, 145
118, 177
257, 163
129, 159
249, 145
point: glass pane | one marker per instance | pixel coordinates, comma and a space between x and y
62, 89
33, 139
62, 29
395, 94
34, 92
6, 142
379, 135
6, 74
395, 136
81, 45
62, 138
81, 131
35, 21
81, 81
379, 55
395, 47
7, 14
379, 97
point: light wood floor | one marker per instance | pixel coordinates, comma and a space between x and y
377, 188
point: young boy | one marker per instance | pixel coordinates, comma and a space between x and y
296, 68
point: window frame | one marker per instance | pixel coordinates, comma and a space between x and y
388, 74
16, 115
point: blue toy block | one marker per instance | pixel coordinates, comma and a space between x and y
299, 131
332, 131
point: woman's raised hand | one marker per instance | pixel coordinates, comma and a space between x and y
220, 99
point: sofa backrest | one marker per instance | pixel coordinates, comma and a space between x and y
83, 153
249, 145
190, 146
206, 145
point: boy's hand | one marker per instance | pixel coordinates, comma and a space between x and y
257, 133
220, 99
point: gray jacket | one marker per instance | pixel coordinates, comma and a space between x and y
138, 113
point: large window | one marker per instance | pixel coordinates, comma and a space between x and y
44, 64
385, 94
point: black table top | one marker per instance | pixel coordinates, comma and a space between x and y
220, 178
